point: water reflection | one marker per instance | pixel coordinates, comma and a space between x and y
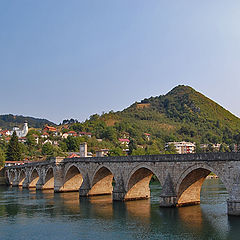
100, 218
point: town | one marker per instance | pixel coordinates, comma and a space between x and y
39, 144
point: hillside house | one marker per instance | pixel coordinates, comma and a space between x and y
183, 147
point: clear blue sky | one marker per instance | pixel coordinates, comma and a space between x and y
69, 59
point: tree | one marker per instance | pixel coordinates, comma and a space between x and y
116, 152
132, 146
138, 152
14, 152
31, 142
72, 143
171, 149
47, 149
2, 158
224, 148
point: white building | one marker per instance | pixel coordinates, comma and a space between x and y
20, 133
183, 147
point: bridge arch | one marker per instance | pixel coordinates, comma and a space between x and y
102, 180
48, 182
34, 178
137, 185
190, 183
12, 176
22, 177
72, 179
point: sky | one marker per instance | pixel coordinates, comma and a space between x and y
70, 59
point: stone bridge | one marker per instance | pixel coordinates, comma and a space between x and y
127, 178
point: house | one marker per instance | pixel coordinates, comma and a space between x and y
215, 147
36, 137
64, 135
52, 130
22, 139
147, 136
183, 147
85, 134
124, 141
45, 135
73, 155
72, 133
7, 139
5, 133
49, 129
102, 152
125, 135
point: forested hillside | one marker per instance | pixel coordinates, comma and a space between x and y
181, 114
8, 121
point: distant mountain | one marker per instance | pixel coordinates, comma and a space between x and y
9, 121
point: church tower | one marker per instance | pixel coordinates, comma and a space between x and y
25, 130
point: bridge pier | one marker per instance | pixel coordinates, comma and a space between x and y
233, 207
233, 203
168, 201
15, 183
168, 197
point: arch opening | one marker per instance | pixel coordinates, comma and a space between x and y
73, 180
189, 190
12, 176
138, 186
49, 180
33, 179
102, 183
22, 178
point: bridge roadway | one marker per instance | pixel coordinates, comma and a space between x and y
181, 176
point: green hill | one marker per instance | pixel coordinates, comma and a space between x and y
181, 114
8, 121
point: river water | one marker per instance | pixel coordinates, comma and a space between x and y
29, 214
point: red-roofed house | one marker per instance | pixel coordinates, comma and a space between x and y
50, 129
22, 139
147, 135
45, 135
124, 141
73, 155
85, 134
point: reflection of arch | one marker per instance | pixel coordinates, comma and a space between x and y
190, 183
22, 177
34, 177
72, 180
49, 179
102, 182
138, 183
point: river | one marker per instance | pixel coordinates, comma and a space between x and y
29, 214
